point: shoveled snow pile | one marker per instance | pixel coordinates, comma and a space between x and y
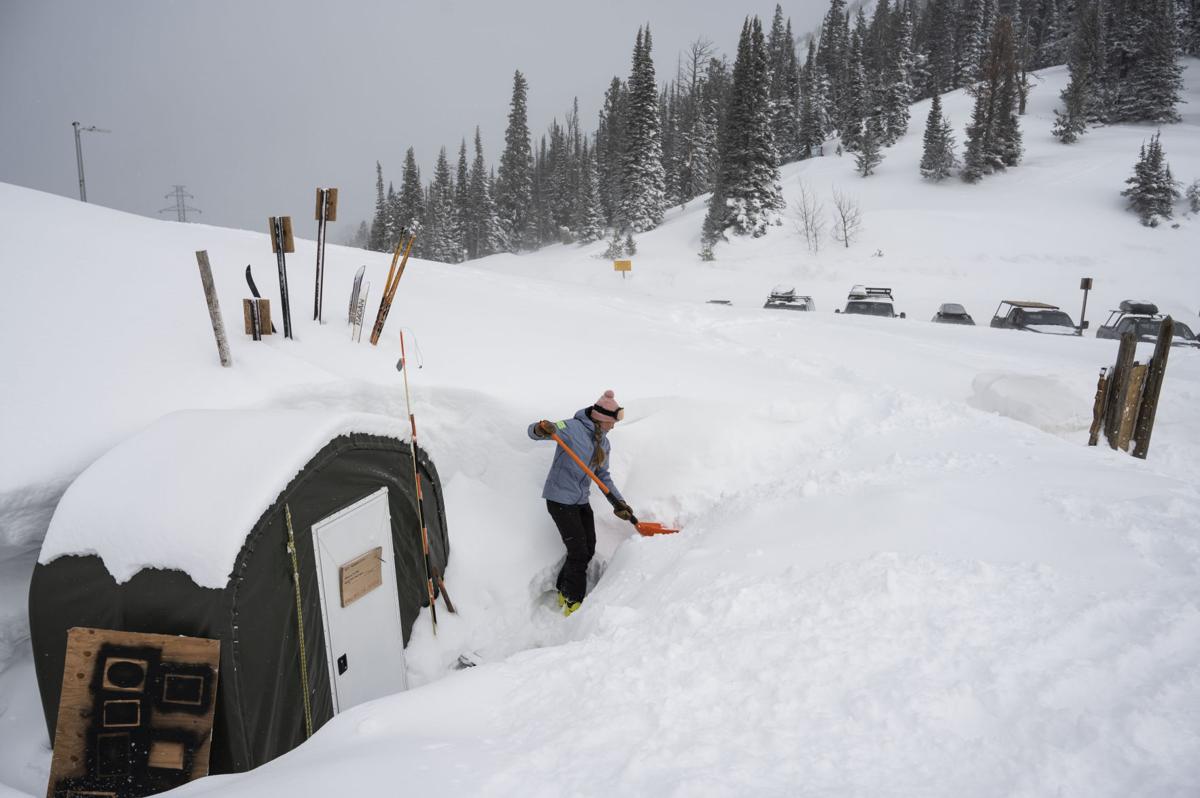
901, 571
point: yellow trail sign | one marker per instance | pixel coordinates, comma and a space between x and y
623, 265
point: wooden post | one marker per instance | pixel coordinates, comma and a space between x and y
1131, 402
1154, 381
214, 308
1117, 380
1098, 408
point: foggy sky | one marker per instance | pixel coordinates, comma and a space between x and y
253, 104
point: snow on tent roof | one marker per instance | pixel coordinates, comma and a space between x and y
184, 493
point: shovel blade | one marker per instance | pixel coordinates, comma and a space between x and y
649, 528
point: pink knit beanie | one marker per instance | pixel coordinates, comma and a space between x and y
606, 408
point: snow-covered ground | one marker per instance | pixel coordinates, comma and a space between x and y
901, 571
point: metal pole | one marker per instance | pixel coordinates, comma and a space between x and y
79, 161
1085, 284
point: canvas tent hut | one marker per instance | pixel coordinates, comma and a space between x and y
181, 530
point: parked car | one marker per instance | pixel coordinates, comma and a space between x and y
784, 297
1143, 320
1037, 317
870, 301
952, 313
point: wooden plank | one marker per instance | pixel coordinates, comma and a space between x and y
104, 680
1117, 382
289, 243
1130, 405
1098, 408
328, 197
264, 316
1154, 380
214, 308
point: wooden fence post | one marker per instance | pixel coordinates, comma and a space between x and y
214, 307
1154, 381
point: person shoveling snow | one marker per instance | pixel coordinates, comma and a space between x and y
567, 490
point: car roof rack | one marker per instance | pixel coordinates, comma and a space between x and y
869, 292
1020, 303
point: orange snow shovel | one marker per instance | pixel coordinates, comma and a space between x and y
646, 528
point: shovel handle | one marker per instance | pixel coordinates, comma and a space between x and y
603, 488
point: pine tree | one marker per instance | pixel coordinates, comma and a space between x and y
462, 203
643, 196
514, 181
1082, 96
940, 52
811, 134
392, 225
589, 218
994, 135
378, 237
410, 204
938, 159
610, 149
747, 198
483, 234
895, 82
869, 153
438, 228
856, 99
785, 87
832, 58
1152, 190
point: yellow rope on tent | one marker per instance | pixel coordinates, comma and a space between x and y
308, 726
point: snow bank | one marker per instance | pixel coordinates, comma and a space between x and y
1043, 401
184, 493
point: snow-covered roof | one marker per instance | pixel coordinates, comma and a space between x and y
184, 492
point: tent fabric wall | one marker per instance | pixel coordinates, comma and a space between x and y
259, 700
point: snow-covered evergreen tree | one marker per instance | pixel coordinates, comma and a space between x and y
462, 201
378, 236
438, 228
589, 215
392, 225
870, 145
514, 180
856, 99
1083, 94
940, 48
994, 135
747, 198
832, 58
410, 203
785, 87
610, 150
811, 133
643, 196
1152, 190
483, 234
938, 157
896, 89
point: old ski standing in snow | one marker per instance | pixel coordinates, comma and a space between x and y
568, 487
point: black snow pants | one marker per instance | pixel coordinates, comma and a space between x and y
577, 527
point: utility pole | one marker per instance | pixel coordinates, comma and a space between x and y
79, 154
180, 207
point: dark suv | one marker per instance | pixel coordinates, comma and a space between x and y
952, 313
1143, 320
1035, 317
866, 301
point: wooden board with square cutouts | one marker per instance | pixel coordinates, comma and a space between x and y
135, 715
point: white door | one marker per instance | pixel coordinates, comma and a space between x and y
357, 578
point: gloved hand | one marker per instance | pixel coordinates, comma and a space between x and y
623, 511
544, 429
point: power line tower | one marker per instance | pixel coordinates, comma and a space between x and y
180, 207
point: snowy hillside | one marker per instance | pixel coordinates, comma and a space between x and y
901, 571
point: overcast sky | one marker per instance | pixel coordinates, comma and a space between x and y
253, 104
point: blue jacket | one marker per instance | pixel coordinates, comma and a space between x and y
567, 483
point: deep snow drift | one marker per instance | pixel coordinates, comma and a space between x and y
901, 570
